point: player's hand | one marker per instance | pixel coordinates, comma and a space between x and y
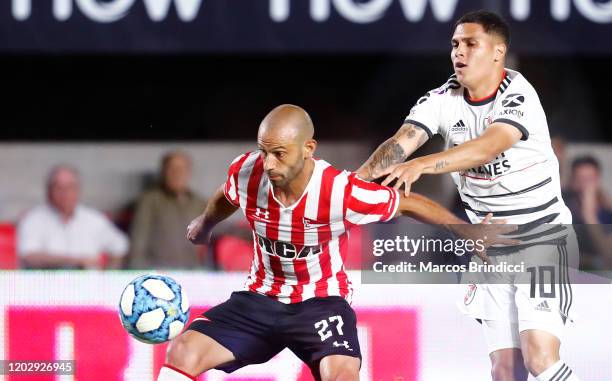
197, 232
487, 233
403, 174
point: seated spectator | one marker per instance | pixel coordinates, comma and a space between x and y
65, 234
591, 212
161, 218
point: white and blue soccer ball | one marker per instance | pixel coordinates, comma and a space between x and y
153, 308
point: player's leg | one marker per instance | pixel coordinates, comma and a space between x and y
322, 332
491, 302
541, 353
503, 343
339, 368
236, 333
191, 354
544, 310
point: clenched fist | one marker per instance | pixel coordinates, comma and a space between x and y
197, 232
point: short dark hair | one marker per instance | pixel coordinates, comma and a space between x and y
586, 160
491, 22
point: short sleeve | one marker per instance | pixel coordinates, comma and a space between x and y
370, 202
231, 183
513, 109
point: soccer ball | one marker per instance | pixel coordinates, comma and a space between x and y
153, 308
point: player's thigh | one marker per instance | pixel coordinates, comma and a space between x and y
501, 334
544, 294
339, 368
322, 327
194, 353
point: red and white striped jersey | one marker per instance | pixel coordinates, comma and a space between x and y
299, 250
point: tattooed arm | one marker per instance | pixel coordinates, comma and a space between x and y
394, 150
496, 139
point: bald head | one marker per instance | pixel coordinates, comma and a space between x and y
288, 122
285, 139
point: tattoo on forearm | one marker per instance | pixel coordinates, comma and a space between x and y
441, 165
389, 153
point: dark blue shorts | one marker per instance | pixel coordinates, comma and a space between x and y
255, 328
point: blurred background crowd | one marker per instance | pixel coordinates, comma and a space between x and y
122, 116
63, 231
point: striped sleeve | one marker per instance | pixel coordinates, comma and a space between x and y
231, 184
370, 202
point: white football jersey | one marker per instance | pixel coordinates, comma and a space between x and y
522, 184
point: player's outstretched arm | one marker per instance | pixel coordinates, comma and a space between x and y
217, 210
496, 139
489, 232
393, 151
426, 210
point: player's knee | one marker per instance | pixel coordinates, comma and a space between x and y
538, 362
182, 355
502, 371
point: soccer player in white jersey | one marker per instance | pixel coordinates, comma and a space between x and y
499, 154
296, 296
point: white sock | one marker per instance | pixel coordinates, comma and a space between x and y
168, 373
559, 371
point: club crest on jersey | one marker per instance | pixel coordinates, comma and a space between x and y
471, 293
311, 224
287, 249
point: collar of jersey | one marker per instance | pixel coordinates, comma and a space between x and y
483, 101
306, 188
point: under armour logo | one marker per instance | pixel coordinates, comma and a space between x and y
344, 344
265, 213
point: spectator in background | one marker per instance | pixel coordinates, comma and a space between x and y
591, 212
161, 218
65, 234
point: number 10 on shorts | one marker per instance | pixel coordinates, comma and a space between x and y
325, 331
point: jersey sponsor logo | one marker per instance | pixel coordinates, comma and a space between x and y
513, 100
497, 167
287, 249
511, 112
459, 127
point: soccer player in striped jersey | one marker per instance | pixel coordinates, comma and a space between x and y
499, 154
297, 294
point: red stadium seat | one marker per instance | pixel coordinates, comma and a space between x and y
8, 250
233, 253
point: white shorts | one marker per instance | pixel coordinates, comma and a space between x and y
538, 298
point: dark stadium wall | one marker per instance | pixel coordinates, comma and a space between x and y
219, 97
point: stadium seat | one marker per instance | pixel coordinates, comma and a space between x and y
233, 253
8, 252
